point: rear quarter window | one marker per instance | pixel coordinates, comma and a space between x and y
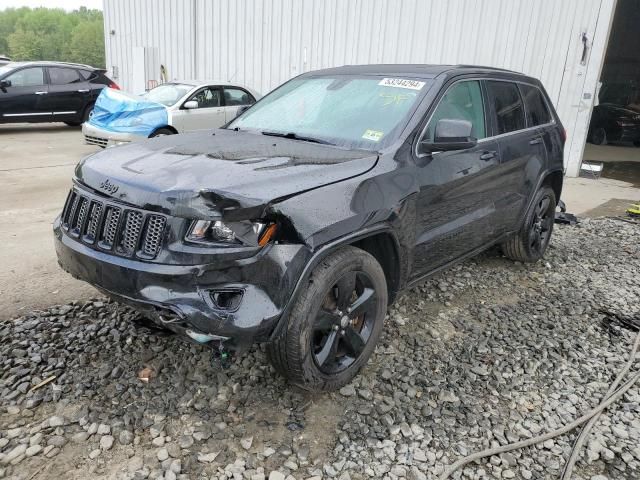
507, 106
537, 110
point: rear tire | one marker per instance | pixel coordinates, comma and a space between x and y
334, 323
599, 136
530, 243
161, 132
85, 116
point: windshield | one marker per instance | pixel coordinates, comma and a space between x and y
350, 111
168, 94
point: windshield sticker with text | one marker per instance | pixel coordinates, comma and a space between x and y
373, 135
402, 83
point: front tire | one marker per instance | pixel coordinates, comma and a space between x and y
334, 324
530, 243
161, 132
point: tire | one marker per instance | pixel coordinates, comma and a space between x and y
599, 136
322, 345
161, 132
85, 116
636, 144
530, 243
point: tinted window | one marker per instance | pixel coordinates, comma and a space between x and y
537, 111
507, 105
87, 74
63, 76
207, 98
27, 77
463, 101
236, 96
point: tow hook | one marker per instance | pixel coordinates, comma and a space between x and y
220, 354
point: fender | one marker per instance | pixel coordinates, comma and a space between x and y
322, 253
542, 178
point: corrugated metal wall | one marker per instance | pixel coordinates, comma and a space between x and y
262, 43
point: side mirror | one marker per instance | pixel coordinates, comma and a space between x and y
191, 104
450, 135
242, 109
5, 83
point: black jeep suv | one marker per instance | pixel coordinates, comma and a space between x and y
298, 223
49, 91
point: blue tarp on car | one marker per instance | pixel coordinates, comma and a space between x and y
118, 111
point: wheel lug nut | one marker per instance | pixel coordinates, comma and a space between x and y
335, 327
341, 332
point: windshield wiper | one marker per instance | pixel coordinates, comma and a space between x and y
295, 136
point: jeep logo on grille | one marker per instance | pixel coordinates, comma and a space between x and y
109, 187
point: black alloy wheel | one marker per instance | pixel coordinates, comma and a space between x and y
344, 323
334, 323
541, 225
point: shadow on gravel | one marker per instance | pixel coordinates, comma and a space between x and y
486, 353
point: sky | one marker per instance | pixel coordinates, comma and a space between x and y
66, 4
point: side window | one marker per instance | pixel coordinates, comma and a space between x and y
207, 97
28, 77
463, 101
237, 96
537, 111
63, 76
507, 104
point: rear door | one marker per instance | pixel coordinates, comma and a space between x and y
234, 99
456, 211
68, 93
209, 114
25, 100
521, 154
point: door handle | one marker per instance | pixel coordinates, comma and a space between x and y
488, 155
535, 140
41, 93
83, 90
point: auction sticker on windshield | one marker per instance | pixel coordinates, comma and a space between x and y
402, 83
373, 135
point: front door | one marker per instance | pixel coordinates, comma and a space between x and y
456, 211
24, 100
209, 114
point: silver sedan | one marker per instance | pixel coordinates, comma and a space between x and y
170, 108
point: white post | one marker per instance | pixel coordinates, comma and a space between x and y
575, 149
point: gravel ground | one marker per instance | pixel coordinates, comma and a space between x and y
484, 354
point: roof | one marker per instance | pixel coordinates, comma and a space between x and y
409, 70
51, 63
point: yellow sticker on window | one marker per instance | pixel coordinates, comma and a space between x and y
373, 135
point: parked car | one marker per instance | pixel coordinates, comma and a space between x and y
617, 116
300, 222
49, 91
170, 108
4, 60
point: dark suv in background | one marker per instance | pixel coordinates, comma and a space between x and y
49, 91
300, 221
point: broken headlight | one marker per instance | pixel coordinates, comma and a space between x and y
235, 233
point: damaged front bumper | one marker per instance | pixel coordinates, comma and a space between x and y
239, 299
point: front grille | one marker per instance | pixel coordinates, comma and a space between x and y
128, 243
126, 231
102, 142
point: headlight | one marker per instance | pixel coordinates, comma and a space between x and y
236, 233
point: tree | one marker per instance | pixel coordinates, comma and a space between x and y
87, 44
53, 34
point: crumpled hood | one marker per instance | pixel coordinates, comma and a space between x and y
217, 174
117, 111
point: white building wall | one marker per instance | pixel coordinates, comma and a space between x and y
262, 43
